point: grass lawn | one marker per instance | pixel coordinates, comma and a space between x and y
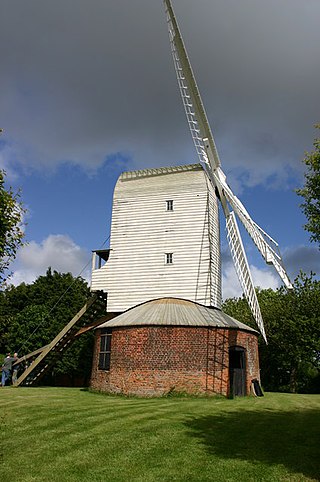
69, 434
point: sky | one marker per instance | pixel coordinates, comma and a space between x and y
88, 90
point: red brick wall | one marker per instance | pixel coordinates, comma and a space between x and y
153, 360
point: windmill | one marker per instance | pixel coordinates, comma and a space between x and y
208, 155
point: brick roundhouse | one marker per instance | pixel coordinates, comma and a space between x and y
171, 344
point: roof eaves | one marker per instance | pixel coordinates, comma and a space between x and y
128, 175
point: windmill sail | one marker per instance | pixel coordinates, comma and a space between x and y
196, 115
267, 246
243, 270
208, 155
240, 261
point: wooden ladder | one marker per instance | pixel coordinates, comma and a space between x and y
41, 361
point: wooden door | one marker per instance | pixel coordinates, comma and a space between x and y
237, 371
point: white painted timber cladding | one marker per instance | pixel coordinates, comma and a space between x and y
142, 231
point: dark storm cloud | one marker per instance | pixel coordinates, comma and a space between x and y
81, 80
302, 258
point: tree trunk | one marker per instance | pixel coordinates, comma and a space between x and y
293, 380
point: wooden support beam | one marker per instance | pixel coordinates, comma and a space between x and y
44, 352
29, 355
94, 324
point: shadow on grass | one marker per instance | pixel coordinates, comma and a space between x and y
287, 438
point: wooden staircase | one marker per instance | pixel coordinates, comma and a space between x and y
44, 358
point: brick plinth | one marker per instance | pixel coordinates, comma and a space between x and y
154, 360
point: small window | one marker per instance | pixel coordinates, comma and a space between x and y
169, 205
169, 258
105, 349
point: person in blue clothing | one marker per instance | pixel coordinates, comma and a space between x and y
15, 369
7, 368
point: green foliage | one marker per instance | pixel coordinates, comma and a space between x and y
311, 192
291, 360
32, 315
11, 233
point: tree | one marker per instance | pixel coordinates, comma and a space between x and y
291, 360
32, 315
311, 191
11, 232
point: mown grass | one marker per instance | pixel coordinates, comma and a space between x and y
68, 434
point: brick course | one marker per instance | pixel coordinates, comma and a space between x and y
154, 360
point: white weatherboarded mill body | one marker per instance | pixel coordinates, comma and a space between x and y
165, 229
164, 239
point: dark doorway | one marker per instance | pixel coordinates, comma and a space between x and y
237, 371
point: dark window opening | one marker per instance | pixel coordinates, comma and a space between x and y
101, 256
169, 258
169, 205
105, 349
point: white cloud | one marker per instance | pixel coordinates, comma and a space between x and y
57, 251
230, 284
262, 278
